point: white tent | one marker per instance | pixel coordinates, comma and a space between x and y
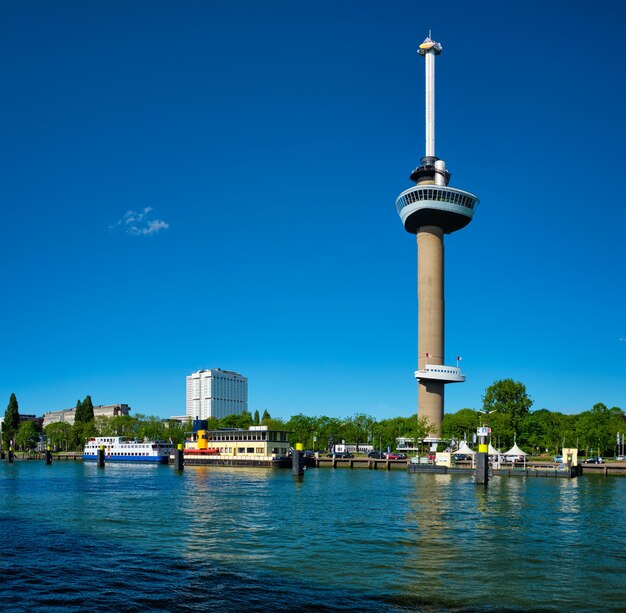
492, 450
464, 449
515, 450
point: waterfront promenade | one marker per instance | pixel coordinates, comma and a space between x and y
531, 469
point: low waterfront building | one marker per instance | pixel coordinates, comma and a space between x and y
406, 444
233, 446
181, 419
354, 448
68, 415
216, 393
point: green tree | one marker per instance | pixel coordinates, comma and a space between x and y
266, 416
275, 424
360, 429
595, 429
87, 406
257, 419
79, 413
542, 430
242, 421
418, 428
176, 431
27, 435
503, 432
460, 425
150, 428
386, 431
302, 428
80, 432
248, 417
58, 435
508, 397
84, 411
11, 421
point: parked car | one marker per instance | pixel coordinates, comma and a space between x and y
462, 457
395, 456
594, 461
340, 454
432, 457
620, 458
376, 455
514, 458
558, 459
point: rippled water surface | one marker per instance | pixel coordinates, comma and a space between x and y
76, 537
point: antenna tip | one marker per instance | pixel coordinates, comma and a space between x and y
429, 45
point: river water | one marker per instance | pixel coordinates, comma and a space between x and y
127, 537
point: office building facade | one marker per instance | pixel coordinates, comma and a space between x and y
216, 393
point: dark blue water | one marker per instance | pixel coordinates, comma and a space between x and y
127, 538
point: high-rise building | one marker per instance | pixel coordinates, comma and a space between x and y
429, 210
216, 393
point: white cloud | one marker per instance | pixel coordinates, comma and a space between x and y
140, 223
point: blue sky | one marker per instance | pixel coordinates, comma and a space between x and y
189, 185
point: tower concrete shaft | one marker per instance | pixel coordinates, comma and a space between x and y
430, 322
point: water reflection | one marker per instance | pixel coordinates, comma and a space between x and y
534, 532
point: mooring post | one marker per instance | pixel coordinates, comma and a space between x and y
10, 454
482, 468
48, 456
297, 465
481, 475
179, 457
101, 457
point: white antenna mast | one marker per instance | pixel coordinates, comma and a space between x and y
429, 49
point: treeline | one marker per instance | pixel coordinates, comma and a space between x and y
506, 409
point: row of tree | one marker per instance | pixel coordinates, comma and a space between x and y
506, 409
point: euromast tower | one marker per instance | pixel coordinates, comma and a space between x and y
429, 210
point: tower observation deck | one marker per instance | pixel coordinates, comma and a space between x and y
430, 209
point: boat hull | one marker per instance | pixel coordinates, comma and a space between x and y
197, 460
131, 459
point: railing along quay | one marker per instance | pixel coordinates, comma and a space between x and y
370, 463
609, 468
62, 455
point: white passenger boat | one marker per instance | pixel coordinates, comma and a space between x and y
121, 449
